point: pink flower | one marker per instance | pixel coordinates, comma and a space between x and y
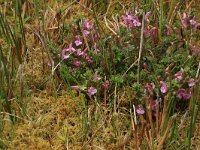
127, 20
153, 107
163, 87
75, 87
106, 85
193, 21
149, 88
96, 76
130, 21
78, 41
70, 48
146, 17
183, 94
167, 2
87, 25
65, 54
86, 33
184, 20
76, 62
136, 22
191, 82
88, 59
178, 76
140, 110
91, 91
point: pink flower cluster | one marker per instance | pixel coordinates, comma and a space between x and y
184, 94
130, 21
149, 88
187, 21
77, 48
91, 90
87, 27
140, 110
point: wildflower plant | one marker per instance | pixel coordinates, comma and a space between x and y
98, 62
141, 58
92, 56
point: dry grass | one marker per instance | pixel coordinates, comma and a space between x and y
53, 125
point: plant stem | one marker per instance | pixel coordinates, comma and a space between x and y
141, 47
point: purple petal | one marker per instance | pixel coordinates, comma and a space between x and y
136, 22
147, 16
149, 88
106, 85
191, 82
71, 49
183, 94
75, 87
65, 54
86, 33
184, 20
163, 87
193, 21
78, 41
128, 20
96, 77
91, 91
140, 111
76, 62
88, 25
178, 76
153, 107
89, 60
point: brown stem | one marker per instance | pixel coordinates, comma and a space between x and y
105, 97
